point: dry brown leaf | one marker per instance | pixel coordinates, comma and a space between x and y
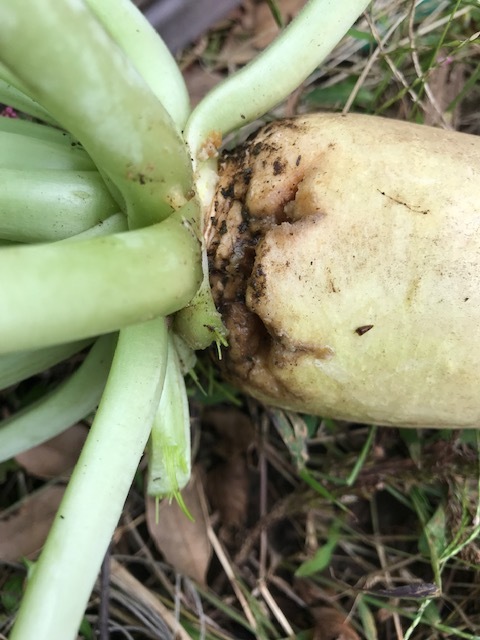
57, 456
228, 481
266, 29
228, 485
446, 80
23, 530
183, 542
200, 81
235, 430
330, 624
239, 50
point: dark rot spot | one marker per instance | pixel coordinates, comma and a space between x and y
247, 176
243, 227
229, 191
257, 149
363, 329
223, 228
259, 271
297, 162
278, 167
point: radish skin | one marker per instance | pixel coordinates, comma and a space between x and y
345, 260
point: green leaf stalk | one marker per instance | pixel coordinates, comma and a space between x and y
169, 466
62, 580
49, 205
99, 96
141, 44
61, 292
72, 401
15, 367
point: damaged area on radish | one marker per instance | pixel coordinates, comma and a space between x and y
240, 220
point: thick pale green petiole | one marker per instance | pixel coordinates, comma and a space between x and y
199, 323
84, 79
32, 129
49, 205
72, 401
14, 94
169, 460
65, 291
140, 42
11, 79
28, 153
61, 582
114, 224
15, 367
18, 100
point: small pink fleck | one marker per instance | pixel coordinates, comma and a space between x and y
8, 112
446, 60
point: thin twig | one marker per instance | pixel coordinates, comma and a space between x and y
426, 29
395, 70
132, 527
274, 608
127, 583
263, 498
419, 71
227, 565
202, 618
384, 564
370, 63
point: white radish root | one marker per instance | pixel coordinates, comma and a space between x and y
345, 260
